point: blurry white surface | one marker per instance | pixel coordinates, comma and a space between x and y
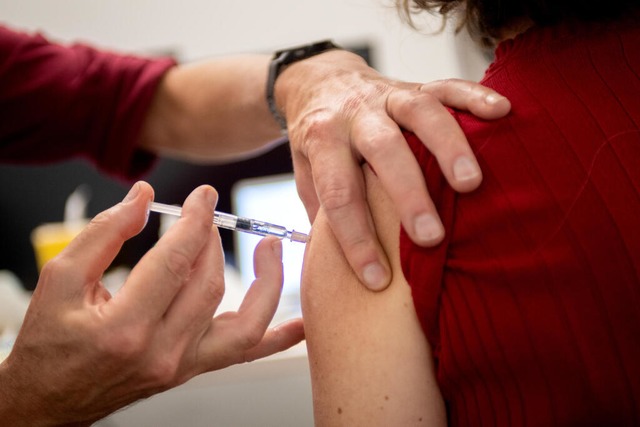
14, 301
472, 59
273, 392
7, 339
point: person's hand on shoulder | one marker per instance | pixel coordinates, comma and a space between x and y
83, 353
343, 113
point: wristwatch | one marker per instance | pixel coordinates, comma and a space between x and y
285, 57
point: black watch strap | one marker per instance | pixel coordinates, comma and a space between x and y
283, 58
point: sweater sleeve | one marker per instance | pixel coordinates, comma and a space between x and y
61, 102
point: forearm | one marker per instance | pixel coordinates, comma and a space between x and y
8, 411
216, 110
16, 406
213, 110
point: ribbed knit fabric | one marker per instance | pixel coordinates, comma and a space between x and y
58, 102
532, 303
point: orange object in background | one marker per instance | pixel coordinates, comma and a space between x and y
49, 240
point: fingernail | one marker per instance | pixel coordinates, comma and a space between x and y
211, 196
133, 193
493, 98
147, 213
374, 276
428, 228
464, 169
276, 246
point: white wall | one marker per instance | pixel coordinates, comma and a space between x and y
201, 28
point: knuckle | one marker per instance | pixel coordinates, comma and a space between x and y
123, 344
214, 289
335, 197
177, 264
355, 102
252, 335
316, 124
376, 143
57, 267
418, 103
104, 220
358, 246
100, 219
61, 269
434, 85
162, 371
203, 226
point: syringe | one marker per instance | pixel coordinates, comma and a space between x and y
238, 223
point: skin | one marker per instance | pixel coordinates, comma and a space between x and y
340, 114
83, 353
370, 362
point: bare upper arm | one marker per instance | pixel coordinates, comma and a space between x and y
370, 362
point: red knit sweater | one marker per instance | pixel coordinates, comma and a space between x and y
58, 102
532, 303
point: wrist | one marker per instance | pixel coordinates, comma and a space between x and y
12, 408
317, 77
20, 399
283, 59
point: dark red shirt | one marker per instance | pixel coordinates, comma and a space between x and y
58, 102
532, 303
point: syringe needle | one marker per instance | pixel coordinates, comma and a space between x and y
237, 223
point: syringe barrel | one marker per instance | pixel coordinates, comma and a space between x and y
233, 222
225, 220
267, 229
261, 228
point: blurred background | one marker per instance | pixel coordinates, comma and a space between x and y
191, 30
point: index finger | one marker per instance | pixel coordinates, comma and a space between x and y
387, 152
426, 115
480, 100
158, 277
342, 196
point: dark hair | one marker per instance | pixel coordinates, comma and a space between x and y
485, 19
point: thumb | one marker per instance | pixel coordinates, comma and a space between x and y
93, 250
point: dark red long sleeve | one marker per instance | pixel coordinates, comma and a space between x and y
58, 102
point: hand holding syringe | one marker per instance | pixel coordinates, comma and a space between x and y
237, 223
